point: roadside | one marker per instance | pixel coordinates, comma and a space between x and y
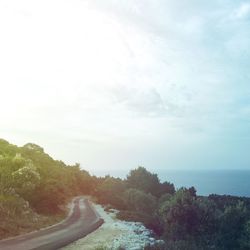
81, 221
29, 221
114, 234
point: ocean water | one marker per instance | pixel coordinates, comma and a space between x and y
230, 182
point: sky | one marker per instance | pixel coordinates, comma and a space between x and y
116, 84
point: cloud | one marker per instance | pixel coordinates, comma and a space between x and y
145, 103
105, 75
243, 11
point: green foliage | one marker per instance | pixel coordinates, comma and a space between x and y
192, 222
31, 179
34, 147
164, 197
12, 205
165, 188
138, 200
110, 191
25, 179
180, 213
244, 239
148, 220
233, 227
143, 180
183, 219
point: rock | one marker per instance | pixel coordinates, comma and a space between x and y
160, 242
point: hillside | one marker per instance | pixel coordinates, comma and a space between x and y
34, 188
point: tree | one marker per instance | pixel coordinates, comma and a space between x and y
26, 179
165, 188
244, 240
179, 215
33, 146
110, 191
188, 218
143, 180
139, 201
233, 226
140, 207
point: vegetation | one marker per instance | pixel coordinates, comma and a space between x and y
183, 219
33, 185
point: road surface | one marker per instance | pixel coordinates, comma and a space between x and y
81, 221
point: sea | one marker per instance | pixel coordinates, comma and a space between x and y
222, 182
228, 182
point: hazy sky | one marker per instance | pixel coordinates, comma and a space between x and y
119, 83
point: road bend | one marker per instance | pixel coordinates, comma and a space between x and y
82, 220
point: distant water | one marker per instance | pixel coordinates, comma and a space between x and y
230, 182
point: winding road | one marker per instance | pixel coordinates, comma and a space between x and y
82, 220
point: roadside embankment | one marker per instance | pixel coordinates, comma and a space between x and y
17, 217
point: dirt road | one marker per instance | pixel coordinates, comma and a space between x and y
82, 220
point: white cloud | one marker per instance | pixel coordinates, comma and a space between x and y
243, 11
107, 77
